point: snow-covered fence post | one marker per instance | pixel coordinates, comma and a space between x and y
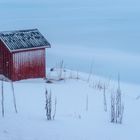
60, 70
122, 110
2, 100
105, 103
113, 115
119, 105
14, 98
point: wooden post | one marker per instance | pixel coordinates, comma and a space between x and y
14, 98
105, 103
2, 102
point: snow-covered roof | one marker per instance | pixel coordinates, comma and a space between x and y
23, 39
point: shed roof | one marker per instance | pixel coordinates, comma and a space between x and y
23, 39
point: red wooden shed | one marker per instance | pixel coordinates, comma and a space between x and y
22, 54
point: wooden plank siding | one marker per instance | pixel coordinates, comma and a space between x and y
5, 61
29, 64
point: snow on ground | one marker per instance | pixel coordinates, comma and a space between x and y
72, 121
85, 25
106, 32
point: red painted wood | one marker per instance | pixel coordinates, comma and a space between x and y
29, 64
23, 64
5, 61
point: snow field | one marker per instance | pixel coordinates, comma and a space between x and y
72, 121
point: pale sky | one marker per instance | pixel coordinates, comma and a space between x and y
98, 24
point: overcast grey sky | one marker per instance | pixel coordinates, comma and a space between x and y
100, 23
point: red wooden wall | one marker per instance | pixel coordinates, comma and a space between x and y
5, 61
29, 64
22, 64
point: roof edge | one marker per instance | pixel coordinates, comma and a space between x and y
18, 30
5, 44
28, 49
